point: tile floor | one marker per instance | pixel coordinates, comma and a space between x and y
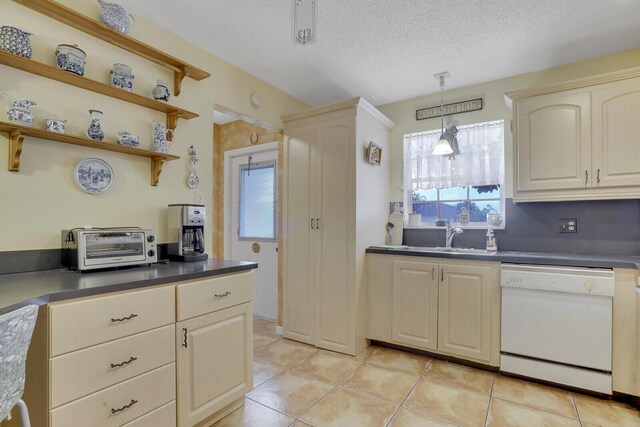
298, 385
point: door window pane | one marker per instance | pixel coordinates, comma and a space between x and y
257, 208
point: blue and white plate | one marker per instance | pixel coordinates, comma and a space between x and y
93, 175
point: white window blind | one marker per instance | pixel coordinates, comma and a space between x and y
480, 162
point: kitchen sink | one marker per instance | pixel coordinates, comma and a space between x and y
454, 251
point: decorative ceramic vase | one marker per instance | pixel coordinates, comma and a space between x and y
18, 111
95, 131
125, 138
114, 16
70, 58
56, 125
160, 142
161, 91
15, 40
122, 77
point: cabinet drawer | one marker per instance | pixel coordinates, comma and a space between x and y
81, 324
165, 416
141, 394
205, 296
82, 372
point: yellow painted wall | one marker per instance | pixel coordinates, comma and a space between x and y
403, 113
42, 199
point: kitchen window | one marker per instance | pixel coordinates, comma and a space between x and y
442, 186
257, 210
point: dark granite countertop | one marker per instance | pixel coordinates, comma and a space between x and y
517, 257
43, 287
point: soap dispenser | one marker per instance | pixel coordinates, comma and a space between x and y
492, 245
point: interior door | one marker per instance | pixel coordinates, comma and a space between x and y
253, 224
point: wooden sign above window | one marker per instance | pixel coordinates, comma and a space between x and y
449, 109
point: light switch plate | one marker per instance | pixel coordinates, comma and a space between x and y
568, 225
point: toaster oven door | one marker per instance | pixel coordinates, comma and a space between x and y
113, 248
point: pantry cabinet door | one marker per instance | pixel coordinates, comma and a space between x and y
299, 256
553, 142
415, 304
335, 303
465, 311
616, 135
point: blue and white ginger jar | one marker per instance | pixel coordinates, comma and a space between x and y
15, 40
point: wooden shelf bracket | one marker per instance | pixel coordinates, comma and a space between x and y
156, 170
16, 138
172, 123
178, 77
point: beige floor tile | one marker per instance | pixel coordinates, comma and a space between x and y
253, 414
284, 353
344, 408
263, 371
367, 352
289, 393
453, 404
385, 384
534, 395
396, 359
324, 366
408, 418
262, 340
606, 413
508, 414
461, 376
265, 327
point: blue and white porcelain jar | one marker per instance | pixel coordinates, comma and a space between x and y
161, 91
70, 58
114, 16
15, 40
122, 77
95, 131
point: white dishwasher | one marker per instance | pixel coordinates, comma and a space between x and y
557, 324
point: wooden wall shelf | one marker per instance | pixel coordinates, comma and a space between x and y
95, 28
44, 70
17, 133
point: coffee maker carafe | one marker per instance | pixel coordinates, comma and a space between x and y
186, 233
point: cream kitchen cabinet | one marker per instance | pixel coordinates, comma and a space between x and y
626, 332
335, 206
579, 140
445, 306
214, 347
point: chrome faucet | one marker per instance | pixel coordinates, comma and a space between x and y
450, 233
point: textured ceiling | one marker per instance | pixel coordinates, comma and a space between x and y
388, 50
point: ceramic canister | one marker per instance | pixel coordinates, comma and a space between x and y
15, 40
122, 77
70, 58
56, 125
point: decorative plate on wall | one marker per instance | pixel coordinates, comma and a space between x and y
93, 175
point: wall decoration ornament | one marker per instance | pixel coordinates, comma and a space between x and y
374, 154
93, 175
450, 109
192, 180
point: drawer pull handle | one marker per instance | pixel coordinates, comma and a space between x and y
226, 294
115, 411
122, 319
126, 362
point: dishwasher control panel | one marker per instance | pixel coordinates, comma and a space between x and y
592, 281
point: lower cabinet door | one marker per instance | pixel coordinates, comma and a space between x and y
214, 358
415, 304
466, 314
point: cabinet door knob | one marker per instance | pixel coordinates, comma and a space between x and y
115, 411
122, 319
126, 362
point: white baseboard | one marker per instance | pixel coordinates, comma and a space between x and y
279, 330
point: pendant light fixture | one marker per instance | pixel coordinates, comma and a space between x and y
443, 147
304, 22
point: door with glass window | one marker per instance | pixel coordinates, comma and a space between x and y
253, 224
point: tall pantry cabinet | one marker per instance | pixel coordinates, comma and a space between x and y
335, 205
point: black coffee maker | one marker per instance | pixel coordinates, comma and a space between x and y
186, 233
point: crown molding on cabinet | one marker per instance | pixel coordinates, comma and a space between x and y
354, 102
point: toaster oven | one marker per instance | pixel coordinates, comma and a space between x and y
89, 249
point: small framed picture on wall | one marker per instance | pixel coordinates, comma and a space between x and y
374, 154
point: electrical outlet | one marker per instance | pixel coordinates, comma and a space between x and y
568, 225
